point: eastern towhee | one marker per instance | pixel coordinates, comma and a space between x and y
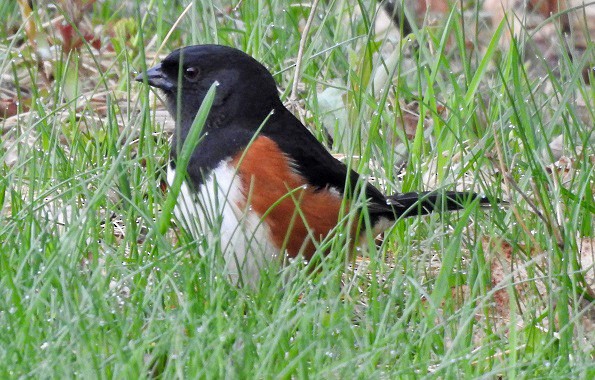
259, 182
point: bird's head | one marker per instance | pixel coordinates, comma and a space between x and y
245, 87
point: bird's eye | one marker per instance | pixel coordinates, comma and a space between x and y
192, 74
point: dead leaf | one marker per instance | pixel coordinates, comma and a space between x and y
510, 270
8, 108
586, 248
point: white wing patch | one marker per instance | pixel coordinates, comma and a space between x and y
215, 213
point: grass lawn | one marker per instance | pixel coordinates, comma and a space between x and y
90, 287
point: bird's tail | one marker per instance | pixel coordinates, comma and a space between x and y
411, 204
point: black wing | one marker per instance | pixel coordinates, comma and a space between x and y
316, 164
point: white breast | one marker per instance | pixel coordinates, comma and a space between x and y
216, 213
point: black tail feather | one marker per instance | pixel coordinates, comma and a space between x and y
411, 204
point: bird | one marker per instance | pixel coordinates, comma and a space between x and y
258, 182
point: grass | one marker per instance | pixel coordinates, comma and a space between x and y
92, 287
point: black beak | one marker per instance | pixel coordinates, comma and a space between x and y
156, 78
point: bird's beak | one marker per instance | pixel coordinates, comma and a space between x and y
156, 78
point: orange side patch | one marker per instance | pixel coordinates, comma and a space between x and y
294, 213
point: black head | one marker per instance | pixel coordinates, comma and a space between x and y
245, 88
